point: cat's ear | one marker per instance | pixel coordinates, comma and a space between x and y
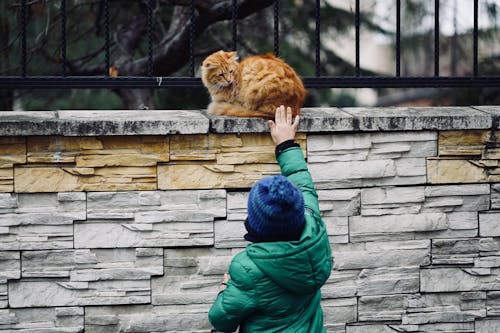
233, 55
209, 65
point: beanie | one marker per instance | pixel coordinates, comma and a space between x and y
275, 211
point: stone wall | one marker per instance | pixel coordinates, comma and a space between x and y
125, 221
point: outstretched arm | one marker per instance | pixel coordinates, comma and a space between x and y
290, 156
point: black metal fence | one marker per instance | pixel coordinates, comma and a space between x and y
317, 81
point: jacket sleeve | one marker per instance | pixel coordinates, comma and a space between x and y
235, 303
293, 166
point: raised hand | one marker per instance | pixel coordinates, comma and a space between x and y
282, 128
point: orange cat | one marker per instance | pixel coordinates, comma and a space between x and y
253, 88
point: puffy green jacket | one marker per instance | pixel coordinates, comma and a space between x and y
275, 286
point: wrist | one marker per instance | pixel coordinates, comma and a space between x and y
284, 146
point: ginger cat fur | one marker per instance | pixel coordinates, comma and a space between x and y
255, 87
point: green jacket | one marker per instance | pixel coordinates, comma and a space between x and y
275, 286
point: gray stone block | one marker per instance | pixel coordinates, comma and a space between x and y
362, 160
42, 320
459, 279
495, 196
489, 225
461, 251
40, 221
28, 123
487, 325
150, 219
48, 293
338, 312
147, 318
312, 120
425, 199
382, 307
377, 281
86, 277
381, 254
192, 276
421, 118
413, 226
10, 268
129, 122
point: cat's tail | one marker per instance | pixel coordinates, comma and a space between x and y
234, 110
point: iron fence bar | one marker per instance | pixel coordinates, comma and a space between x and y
106, 37
24, 51
150, 38
398, 38
234, 19
436, 38
357, 23
318, 37
63, 37
276, 9
31, 82
475, 36
191, 37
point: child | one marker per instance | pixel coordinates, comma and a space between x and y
274, 285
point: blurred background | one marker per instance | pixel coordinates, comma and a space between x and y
86, 21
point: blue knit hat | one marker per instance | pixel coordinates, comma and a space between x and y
275, 211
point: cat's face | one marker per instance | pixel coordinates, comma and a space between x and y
220, 69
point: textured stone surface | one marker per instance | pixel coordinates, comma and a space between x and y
413, 226
466, 157
424, 199
377, 281
381, 254
312, 120
86, 277
12, 151
147, 318
39, 221
192, 276
410, 256
489, 224
150, 219
360, 160
103, 122
91, 163
422, 118
10, 268
461, 251
219, 161
42, 320
495, 196
459, 279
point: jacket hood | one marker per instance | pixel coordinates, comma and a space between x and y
300, 267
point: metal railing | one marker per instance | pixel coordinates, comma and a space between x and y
317, 81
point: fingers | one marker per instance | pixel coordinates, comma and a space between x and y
272, 124
296, 123
280, 114
288, 115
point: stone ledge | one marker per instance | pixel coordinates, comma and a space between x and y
314, 120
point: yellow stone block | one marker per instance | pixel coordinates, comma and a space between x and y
12, 151
468, 143
443, 171
7, 180
67, 179
121, 179
87, 151
94, 161
197, 176
44, 179
219, 160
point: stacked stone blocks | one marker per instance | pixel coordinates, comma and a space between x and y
132, 233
